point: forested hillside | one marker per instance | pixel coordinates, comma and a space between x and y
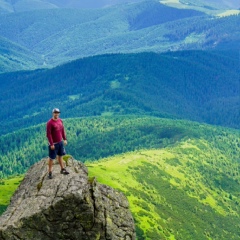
13, 56
200, 86
95, 138
89, 138
23, 5
61, 35
181, 178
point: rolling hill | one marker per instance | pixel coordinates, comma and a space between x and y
61, 35
194, 85
210, 7
29, 5
13, 56
172, 194
181, 178
217, 4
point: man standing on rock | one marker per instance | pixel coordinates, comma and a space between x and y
57, 138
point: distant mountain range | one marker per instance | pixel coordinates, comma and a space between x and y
194, 85
7, 6
29, 5
54, 36
49, 37
201, 4
14, 56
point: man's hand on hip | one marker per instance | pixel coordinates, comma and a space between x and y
52, 147
65, 142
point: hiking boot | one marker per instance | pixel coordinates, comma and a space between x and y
64, 171
50, 175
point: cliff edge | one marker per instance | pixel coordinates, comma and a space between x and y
66, 207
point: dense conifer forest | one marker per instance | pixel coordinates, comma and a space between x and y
95, 138
196, 85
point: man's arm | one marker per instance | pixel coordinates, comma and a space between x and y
49, 134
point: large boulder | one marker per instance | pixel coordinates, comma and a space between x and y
66, 207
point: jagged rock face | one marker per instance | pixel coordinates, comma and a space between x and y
66, 207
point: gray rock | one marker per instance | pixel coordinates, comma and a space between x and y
66, 207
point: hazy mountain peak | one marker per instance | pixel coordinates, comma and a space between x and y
7, 6
218, 4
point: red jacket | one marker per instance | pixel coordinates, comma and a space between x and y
55, 131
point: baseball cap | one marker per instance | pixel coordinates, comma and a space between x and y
55, 110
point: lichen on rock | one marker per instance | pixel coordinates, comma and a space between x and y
66, 207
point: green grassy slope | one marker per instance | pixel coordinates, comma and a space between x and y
181, 178
195, 85
7, 188
180, 192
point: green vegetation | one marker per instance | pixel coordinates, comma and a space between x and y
89, 138
99, 137
7, 188
180, 192
14, 57
181, 178
96, 138
61, 35
65, 159
203, 87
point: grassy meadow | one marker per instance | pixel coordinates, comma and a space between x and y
175, 193
7, 188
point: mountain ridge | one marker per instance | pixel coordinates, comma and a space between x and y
119, 84
14, 56
23, 5
61, 35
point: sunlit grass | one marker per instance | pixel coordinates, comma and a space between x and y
7, 188
229, 13
180, 166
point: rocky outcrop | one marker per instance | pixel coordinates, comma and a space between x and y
66, 207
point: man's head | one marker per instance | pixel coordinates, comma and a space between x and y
55, 113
